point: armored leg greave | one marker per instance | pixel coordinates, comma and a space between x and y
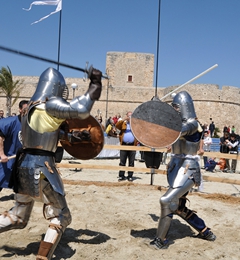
169, 204
18, 216
55, 210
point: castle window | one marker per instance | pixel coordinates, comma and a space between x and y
130, 78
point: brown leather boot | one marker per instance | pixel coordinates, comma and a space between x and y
43, 250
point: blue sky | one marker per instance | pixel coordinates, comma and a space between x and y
194, 35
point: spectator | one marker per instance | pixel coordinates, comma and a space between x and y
207, 141
205, 127
10, 142
99, 119
212, 128
233, 130
126, 137
119, 117
233, 149
225, 129
111, 130
1, 114
211, 164
224, 147
115, 119
108, 122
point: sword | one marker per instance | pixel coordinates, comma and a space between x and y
191, 80
87, 71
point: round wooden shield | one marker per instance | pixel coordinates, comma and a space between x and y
156, 124
84, 150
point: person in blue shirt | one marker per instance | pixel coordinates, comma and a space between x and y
126, 137
10, 142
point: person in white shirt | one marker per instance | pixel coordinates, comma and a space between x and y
207, 141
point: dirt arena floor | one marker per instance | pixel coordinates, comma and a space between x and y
117, 220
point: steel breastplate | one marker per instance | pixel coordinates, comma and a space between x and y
33, 140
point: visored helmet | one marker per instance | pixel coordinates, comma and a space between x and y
51, 83
183, 103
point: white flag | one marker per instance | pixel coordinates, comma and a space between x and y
53, 2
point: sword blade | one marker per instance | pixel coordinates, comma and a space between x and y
3, 48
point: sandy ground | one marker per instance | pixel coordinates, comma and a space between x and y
113, 220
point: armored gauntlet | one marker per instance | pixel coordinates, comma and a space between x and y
95, 86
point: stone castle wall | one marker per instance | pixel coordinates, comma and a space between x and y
120, 96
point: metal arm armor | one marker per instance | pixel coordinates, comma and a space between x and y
189, 127
79, 107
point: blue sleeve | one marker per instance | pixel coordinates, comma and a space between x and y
7, 125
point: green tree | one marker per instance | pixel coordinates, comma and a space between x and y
9, 87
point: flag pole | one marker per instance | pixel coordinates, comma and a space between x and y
158, 36
59, 37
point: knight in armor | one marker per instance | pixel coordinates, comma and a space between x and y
183, 172
35, 177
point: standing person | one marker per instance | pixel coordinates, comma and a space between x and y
36, 177
183, 173
207, 141
212, 128
233, 149
233, 130
10, 143
126, 137
225, 129
115, 119
224, 148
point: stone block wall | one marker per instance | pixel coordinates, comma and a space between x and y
139, 66
120, 96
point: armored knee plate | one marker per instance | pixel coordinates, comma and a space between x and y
57, 206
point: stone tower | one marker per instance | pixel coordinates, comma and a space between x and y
128, 69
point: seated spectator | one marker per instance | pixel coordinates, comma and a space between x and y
211, 164
225, 149
222, 164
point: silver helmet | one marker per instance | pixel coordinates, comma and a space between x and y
183, 103
51, 83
